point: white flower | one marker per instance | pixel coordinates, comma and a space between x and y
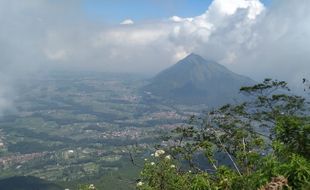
152, 163
168, 157
145, 159
152, 155
159, 153
91, 187
189, 171
172, 166
139, 184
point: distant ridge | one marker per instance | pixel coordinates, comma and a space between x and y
195, 80
27, 183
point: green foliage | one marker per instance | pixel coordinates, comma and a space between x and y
163, 175
262, 140
293, 133
297, 171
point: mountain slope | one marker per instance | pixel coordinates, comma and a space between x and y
195, 80
27, 183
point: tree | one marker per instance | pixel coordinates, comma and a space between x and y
263, 141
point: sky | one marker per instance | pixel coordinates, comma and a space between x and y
255, 38
142, 10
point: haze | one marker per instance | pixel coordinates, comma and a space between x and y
252, 38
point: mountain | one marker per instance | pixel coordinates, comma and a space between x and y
195, 80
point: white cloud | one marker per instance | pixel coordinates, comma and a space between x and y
57, 55
127, 22
226, 7
221, 31
179, 19
149, 47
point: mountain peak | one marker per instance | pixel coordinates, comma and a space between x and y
194, 57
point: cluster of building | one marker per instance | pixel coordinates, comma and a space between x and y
19, 159
165, 115
169, 127
130, 133
131, 98
2, 145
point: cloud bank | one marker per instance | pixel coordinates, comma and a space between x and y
243, 35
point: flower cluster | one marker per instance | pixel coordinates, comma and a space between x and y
158, 153
92, 187
139, 184
168, 157
159, 164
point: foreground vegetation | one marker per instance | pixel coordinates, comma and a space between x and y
260, 144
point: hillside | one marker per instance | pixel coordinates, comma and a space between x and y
27, 183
